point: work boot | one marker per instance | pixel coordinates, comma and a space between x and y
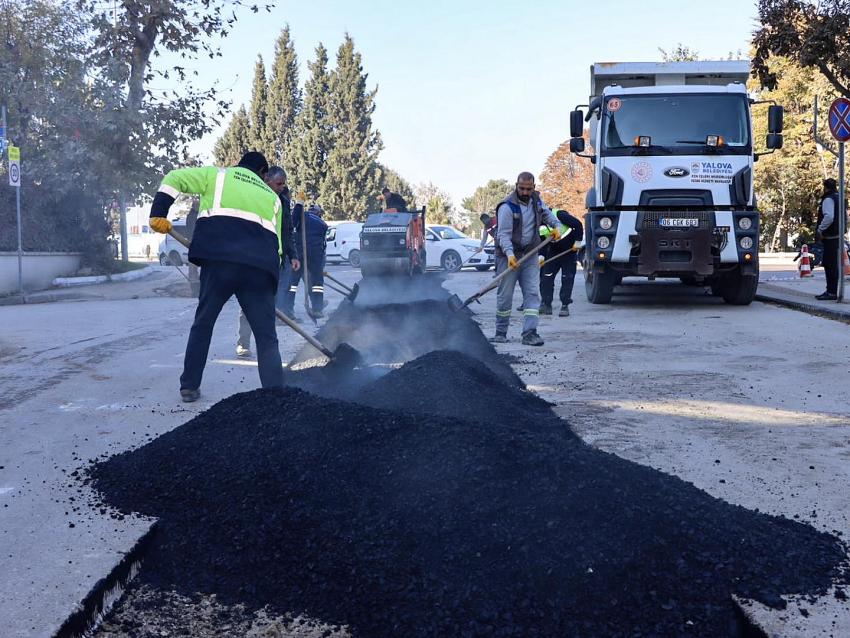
520, 307
531, 338
243, 353
545, 309
565, 311
827, 296
501, 337
189, 395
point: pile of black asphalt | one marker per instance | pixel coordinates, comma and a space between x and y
442, 498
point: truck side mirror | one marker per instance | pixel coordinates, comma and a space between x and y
576, 123
774, 140
775, 117
577, 145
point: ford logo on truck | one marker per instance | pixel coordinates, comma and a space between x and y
677, 171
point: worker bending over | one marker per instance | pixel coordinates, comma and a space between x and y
237, 244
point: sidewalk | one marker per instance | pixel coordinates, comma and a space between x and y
782, 284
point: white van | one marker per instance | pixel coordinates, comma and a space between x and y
343, 239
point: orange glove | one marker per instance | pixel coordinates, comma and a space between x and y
512, 262
160, 225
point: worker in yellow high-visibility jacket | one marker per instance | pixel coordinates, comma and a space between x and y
237, 244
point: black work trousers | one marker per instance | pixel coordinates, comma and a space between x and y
831, 265
255, 290
566, 265
315, 274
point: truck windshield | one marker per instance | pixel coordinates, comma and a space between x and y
388, 219
676, 124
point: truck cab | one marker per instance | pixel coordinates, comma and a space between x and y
673, 180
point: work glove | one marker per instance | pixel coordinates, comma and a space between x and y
296, 265
160, 225
541, 260
512, 262
557, 233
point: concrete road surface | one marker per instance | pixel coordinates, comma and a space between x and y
748, 403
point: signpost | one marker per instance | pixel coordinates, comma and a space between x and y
839, 126
15, 181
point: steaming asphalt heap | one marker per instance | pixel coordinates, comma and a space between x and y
440, 498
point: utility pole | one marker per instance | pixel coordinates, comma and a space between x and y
122, 202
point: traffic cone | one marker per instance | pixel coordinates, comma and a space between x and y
805, 262
845, 263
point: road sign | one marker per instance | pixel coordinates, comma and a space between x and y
839, 119
14, 166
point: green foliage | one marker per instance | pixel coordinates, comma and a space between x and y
681, 53
234, 142
258, 132
309, 150
486, 198
388, 178
350, 186
788, 182
815, 35
53, 116
283, 104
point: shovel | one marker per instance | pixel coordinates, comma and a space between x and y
348, 293
455, 302
574, 249
344, 355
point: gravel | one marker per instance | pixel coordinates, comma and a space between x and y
459, 507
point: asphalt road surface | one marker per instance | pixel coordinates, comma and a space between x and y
748, 403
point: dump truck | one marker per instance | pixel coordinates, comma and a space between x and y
673, 176
393, 243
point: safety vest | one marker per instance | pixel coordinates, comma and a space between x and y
239, 217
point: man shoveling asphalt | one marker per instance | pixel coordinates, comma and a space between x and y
237, 243
519, 219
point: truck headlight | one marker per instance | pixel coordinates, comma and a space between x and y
746, 243
605, 223
745, 223
603, 242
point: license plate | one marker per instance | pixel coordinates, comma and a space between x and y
678, 222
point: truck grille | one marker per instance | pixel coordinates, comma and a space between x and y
652, 219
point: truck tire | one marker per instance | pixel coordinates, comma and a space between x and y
354, 258
739, 290
599, 286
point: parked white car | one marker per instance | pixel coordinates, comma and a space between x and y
343, 239
172, 252
450, 249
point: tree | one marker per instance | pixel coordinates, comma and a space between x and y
681, 53
147, 131
487, 197
437, 203
388, 178
788, 181
283, 104
54, 116
258, 140
350, 187
812, 34
235, 141
312, 142
566, 179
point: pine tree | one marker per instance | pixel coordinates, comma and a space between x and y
258, 113
350, 186
235, 141
283, 103
311, 145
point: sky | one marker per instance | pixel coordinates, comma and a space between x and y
472, 90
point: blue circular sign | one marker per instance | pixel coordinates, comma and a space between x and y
839, 119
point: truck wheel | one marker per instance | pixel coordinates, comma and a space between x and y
739, 290
451, 261
599, 286
354, 258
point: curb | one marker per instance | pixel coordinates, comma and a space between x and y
796, 303
131, 275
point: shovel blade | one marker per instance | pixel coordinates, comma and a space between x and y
354, 292
455, 303
346, 357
